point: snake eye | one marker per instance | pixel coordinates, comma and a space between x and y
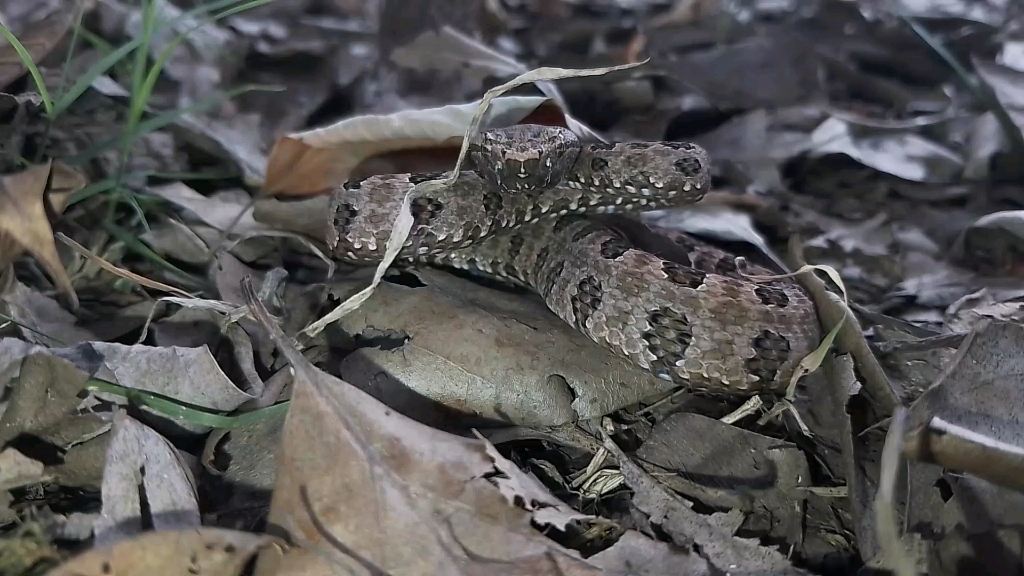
598, 164
689, 166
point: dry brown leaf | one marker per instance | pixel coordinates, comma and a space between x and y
311, 162
24, 225
39, 38
204, 550
363, 489
64, 181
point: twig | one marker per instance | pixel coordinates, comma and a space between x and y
850, 338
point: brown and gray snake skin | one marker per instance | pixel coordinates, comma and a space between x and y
522, 216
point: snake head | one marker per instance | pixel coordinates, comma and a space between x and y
648, 173
524, 158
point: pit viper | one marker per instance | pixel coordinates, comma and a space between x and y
525, 214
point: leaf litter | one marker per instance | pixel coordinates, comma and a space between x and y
189, 420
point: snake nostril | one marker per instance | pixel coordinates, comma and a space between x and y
598, 164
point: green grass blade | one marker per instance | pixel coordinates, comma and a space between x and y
154, 72
242, 8
169, 117
135, 245
7, 318
94, 189
149, 82
75, 34
160, 121
26, 60
182, 411
95, 71
207, 8
108, 184
132, 201
113, 58
190, 175
138, 100
99, 44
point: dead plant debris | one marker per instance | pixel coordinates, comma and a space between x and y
190, 383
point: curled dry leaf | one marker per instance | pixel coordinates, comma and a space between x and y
361, 487
43, 320
64, 181
1007, 85
43, 399
308, 163
767, 477
449, 50
637, 554
399, 234
24, 225
171, 553
232, 214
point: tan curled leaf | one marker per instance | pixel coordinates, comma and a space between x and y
188, 552
24, 225
399, 233
310, 162
64, 181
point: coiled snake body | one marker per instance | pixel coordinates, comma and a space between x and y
522, 215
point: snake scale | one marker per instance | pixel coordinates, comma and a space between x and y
523, 215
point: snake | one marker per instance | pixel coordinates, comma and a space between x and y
528, 213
